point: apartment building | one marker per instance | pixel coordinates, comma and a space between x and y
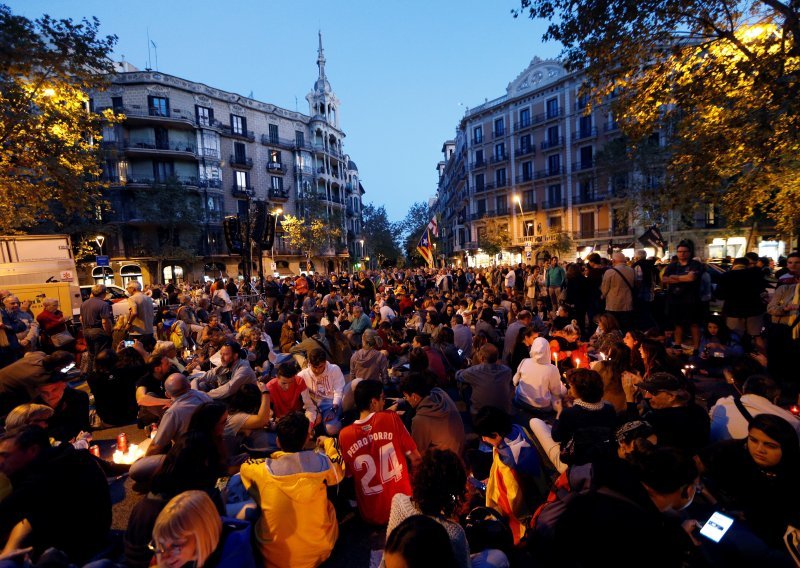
526, 164
215, 154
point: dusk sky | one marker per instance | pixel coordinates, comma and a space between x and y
404, 71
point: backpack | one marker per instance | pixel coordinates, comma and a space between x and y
587, 445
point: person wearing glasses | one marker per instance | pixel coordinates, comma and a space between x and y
187, 532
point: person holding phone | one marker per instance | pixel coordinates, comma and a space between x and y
756, 479
70, 406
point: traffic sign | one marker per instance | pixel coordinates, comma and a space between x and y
102, 260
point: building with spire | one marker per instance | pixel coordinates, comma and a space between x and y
188, 155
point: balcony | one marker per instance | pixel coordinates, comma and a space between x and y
550, 143
280, 194
211, 183
554, 203
285, 249
268, 140
247, 135
525, 150
328, 150
549, 115
276, 168
610, 127
584, 133
241, 162
499, 158
171, 118
581, 166
146, 148
501, 183
212, 153
592, 197
478, 215
185, 181
499, 133
587, 234
304, 171
480, 187
525, 178
550, 172
501, 212
489, 186
477, 164
242, 191
523, 124
470, 245
476, 141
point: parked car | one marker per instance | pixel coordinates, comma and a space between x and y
115, 295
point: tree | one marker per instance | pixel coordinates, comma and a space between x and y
411, 227
719, 77
314, 230
49, 155
494, 237
177, 214
379, 233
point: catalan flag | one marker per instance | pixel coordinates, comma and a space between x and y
433, 227
425, 248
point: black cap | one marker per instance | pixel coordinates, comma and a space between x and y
662, 382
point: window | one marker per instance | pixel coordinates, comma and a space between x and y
552, 136
554, 223
276, 182
211, 175
527, 171
273, 133
163, 170
586, 158
241, 180
116, 104
587, 225
158, 106
205, 115
585, 126
162, 138
481, 206
501, 204
479, 182
528, 199
619, 222
478, 157
554, 194
238, 125
275, 156
239, 152
499, 127
583, 101
524, 118
554, 164
525, 144
500, 151
500, 177
208, 141
299, 138
477, 134
552, 108
586, 190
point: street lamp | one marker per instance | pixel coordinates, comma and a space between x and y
277, 212
100, 239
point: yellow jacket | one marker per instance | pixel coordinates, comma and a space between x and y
297, 527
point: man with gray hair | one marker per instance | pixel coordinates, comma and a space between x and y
176, 419
97, 322
618, 290
140, 316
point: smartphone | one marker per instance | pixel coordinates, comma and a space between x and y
716, 527
68, 368
128, 342
476, 483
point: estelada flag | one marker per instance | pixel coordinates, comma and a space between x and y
425, 248
433, 227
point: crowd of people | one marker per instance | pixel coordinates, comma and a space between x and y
598, 412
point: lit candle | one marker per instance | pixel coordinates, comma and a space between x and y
602, 356
577, 363
555, 359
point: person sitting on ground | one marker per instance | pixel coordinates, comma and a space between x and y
322, 398
150, 394
358, 325
188, 532
313, 338
516, 484
439, 489
113, 384
718, 347
369, 362
223, 381
611, 369
286, 390
490, 381
70, 419
419, 541
537, 381
60, 497
19, 381
758, 478
289, 333
677, 421
760, 395
293, 483
375, 438
522, 346
436, 422
607, 333
248, 416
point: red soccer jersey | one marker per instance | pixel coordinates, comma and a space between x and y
286, 401
374, 451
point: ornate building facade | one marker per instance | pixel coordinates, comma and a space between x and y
209, 154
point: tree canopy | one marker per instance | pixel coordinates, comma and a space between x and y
719, 77
314, 230
49, 151
379, 233
410, 229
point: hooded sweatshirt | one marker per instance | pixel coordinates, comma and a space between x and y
438, 424
369, 364
298, 526
537, 379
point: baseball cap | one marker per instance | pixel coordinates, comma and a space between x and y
662, 382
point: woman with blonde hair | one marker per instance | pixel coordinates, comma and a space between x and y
187, 531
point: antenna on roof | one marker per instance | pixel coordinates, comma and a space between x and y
149, 60
155, 48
